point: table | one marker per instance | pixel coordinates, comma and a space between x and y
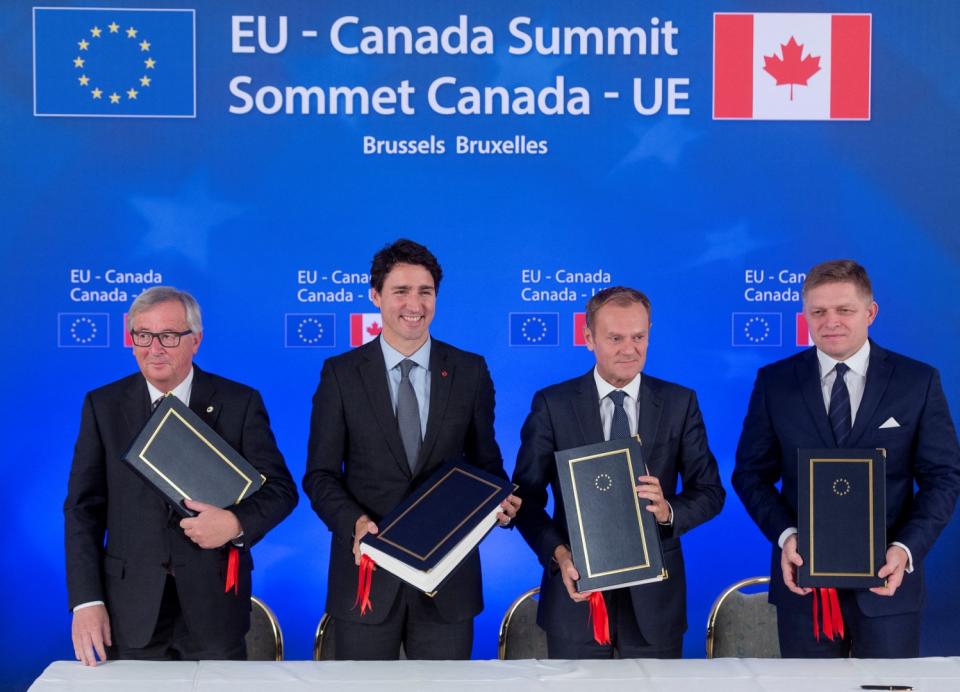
635, 675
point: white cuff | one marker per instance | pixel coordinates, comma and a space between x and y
785, 535
88, 604
669, 521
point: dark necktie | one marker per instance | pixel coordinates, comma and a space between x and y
620, 426
408, 414
840, 415
153, 405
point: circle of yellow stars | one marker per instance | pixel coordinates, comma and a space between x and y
80, 62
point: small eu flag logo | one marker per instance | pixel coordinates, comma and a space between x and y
83, 330
114, 62
310, 330
534, 329
757, 328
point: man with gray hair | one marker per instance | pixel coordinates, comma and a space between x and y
141, 582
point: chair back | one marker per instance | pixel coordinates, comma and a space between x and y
520, 636
743, 625
264, 638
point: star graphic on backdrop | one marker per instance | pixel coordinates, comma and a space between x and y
144, 46
131, 32
97, 93
114, 27
150, 63
664, 142
78, 62
114, 97
83, 79
96, 31
145, 81
728, 244
182, 221
132, 94
83, 43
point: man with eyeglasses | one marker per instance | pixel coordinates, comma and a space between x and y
143, 583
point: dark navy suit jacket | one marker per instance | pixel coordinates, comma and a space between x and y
787, 413
356, 464
674, 439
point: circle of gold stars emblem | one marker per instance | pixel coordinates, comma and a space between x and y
85, 62
603, 482
841, 487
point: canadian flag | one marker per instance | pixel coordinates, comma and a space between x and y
579, 325
803, 330
364, 327
781, 66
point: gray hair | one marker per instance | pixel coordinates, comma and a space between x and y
164, 294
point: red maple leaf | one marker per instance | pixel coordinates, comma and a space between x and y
791, 69
374, 329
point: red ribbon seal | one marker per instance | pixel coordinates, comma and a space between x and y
364, 581
832, 617
599, 619
233, 571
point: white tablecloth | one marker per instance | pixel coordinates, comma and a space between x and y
692, 675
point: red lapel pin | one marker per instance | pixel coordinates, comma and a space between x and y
443, 373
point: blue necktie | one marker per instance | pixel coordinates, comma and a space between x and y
408, 414
620, 426
840, 415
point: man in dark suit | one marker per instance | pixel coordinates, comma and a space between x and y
142, 583
385, 416
849, 392
613, 400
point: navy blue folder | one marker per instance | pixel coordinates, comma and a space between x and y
183, 458
841, 508
615, 541
425, 537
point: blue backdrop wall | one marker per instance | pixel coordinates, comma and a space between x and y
213, 176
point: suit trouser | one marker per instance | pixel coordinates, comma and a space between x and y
885, 636
414, 622
171, 641
627, 641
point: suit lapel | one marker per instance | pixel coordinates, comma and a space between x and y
650, 406
442, 373
373, 374
808, 378
586, 408
203, 399
136, 406
878, 377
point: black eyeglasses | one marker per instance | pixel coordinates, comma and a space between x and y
167, 339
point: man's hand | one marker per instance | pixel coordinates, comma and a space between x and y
648, 488
91, 634
789, 561
892, 571
569, 573
363, 526
510, 506
212, 527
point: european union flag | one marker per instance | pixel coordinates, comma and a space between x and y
83, 330
534, 329
114, 62
757, 329
310, 330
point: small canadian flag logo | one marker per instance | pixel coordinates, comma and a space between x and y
791, 66
364, 327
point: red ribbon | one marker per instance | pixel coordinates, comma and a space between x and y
598, 616
832, 617
364, 581
233, 571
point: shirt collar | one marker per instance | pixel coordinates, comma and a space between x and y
632, 388
181, 391
857, 362
392, 357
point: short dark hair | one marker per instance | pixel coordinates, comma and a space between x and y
836, 271
403, 251
618, 295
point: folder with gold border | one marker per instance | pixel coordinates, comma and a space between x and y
183, 458
841, 508
615, 541
427, 535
